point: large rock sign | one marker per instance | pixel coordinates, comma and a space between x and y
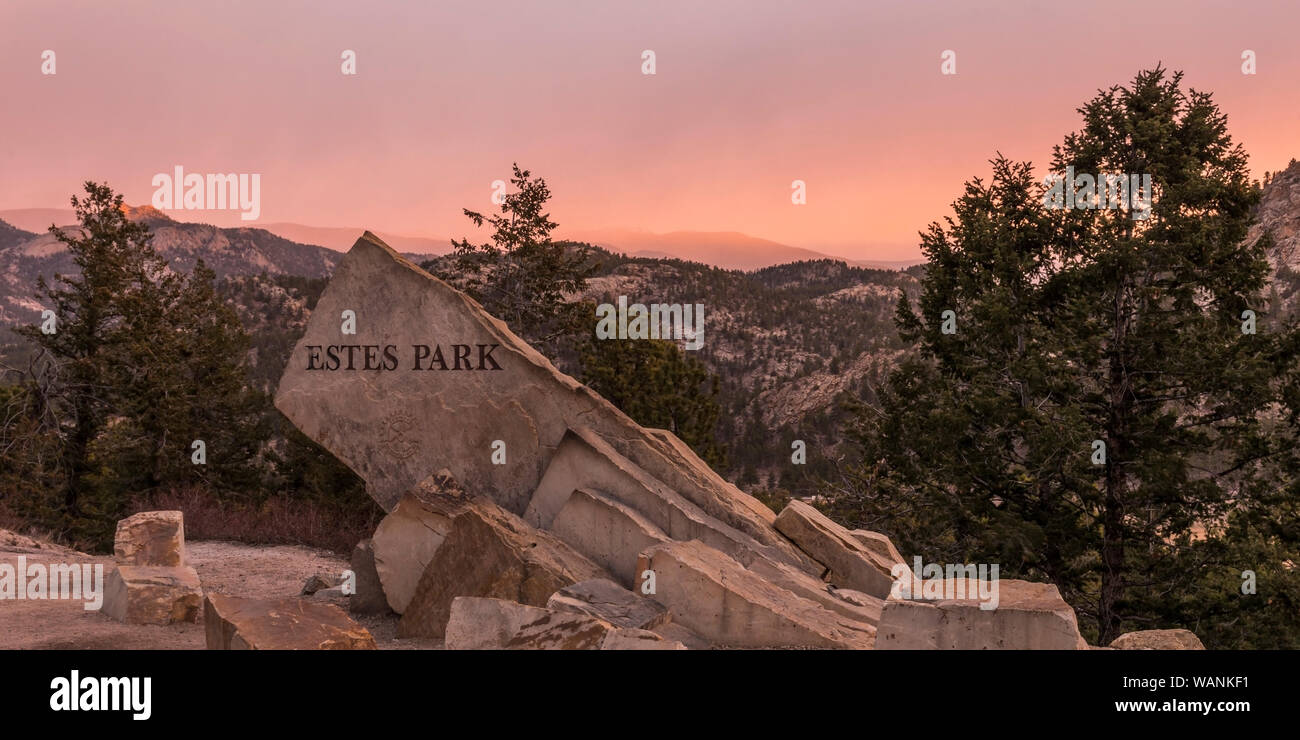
429, 380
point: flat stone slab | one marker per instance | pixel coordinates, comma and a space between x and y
850, 563
586, 462
151, 594
151, 538
431, 380
1028, 616
612, 534
725, 604
234, 623
491, 552
611, 602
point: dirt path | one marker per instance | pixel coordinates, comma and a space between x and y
224, 567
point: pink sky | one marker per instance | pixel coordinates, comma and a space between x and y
748, 96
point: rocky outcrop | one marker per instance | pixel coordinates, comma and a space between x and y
1027, 616
606, 531
493, 553
584, 461
849, 563
233, 623
718, 599
1177, 639
430, 379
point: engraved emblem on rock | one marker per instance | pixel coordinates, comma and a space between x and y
393, 438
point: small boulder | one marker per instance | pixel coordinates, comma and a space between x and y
143, 594
369, 592
1177, 639
634, 639
234, 623
318, 582
879, 544
151, 538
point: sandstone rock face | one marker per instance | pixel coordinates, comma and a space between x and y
406, 540
855, 605
477, 623
634, 639
369, 597
611, 602
606, 531
718, 599
143, 594
561, 631
431, 380
491, 552
585, 461
1029, 616
879, 544
675, 634
155, 538
850, 563
1158, 640
498, 624
233, 623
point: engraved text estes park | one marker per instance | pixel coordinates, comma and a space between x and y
332, 357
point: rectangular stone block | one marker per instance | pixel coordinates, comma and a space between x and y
154, 538
491, 552
718, 599
849, 563
235, 623
146, 594
1029, 616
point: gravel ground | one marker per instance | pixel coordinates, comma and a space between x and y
224, 567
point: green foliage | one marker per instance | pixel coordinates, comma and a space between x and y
522, 277
143, 363
1083, 325
658, 385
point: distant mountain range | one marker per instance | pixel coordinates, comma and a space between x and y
789, 342
730, 250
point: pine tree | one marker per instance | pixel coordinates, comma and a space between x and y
1099, 417
523, 277
100, 314
143, 363
658, 385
